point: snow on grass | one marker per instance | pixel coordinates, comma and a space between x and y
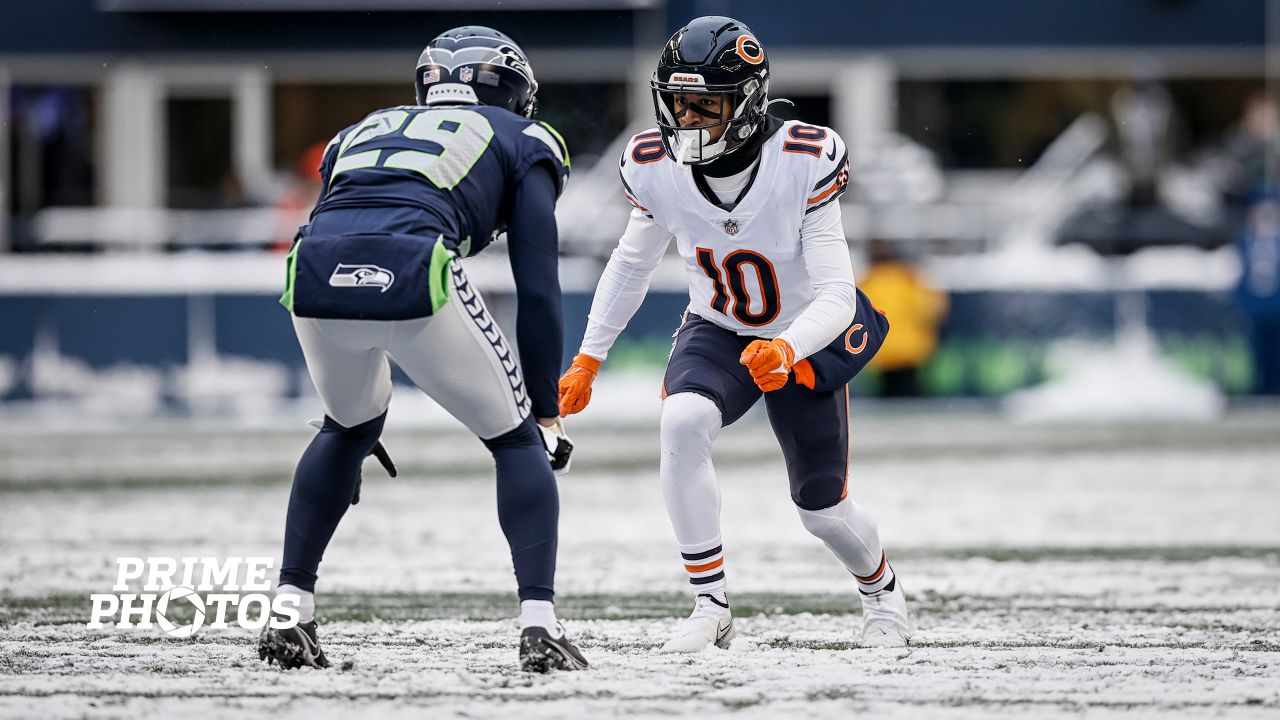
1066, 571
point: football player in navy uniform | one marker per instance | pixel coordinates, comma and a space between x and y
751, 203
376, 275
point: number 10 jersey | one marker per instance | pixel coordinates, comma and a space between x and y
745, 266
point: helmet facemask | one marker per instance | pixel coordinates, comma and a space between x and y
693, 145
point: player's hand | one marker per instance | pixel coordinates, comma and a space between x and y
575, 386
769, 362
559, 446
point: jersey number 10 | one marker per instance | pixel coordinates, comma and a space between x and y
461, 137
733, 270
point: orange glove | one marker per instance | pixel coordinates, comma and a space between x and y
770, 362
575, 385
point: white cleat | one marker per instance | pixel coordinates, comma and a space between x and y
710, 623
884, 618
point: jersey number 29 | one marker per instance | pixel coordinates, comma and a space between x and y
461, 137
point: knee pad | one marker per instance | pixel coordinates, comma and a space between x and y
369, 430
689, 418
523, 435
849, 530
825, 523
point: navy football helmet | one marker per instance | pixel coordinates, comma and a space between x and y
712, 55
475, 64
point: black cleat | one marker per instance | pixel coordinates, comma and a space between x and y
541, 653
293, 647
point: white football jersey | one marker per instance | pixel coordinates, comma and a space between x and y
745, 268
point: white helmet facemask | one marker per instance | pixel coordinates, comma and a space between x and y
693, 145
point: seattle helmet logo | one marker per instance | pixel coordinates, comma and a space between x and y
361, 276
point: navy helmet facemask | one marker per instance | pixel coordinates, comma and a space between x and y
476, 65
711, 55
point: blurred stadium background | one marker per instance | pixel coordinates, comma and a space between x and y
1068, 210
1059, 170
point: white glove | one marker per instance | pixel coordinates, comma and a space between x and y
559, 446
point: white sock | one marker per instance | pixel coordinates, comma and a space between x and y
306, 601
720, 597
849, 531
540, 613
688, 429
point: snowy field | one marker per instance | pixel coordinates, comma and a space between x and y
1053, 571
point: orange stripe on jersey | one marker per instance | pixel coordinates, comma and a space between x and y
633, 201
703, 568
821, 196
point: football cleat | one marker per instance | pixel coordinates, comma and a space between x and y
884, 617
294, 647
541, 653
711, 623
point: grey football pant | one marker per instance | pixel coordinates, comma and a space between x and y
458, 357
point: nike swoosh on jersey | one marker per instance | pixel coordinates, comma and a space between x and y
832, 155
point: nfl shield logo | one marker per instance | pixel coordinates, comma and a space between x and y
731, 227
465, 74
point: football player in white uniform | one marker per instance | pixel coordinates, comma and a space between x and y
750, 201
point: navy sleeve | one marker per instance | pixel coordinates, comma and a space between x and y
534, 250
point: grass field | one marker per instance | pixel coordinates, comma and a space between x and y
1116, 571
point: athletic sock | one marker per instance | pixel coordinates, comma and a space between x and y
540, 613
719, 598
323, 487
882, 579
306, 601
705, 565
528, 508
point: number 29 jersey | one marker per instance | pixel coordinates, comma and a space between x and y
419, 170
745, 267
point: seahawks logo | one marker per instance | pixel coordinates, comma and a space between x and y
451, 60
361, 276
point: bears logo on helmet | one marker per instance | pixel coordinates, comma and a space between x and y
727, 60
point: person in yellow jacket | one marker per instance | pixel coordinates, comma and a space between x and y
916, 310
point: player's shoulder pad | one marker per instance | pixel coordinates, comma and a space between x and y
538, 143
826, 159
643, 149
641, 152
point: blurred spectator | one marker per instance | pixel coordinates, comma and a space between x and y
1145, 124
295, 203
1162, 203
1252, 148
915, 309
1259, 292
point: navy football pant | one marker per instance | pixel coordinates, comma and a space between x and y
812, 427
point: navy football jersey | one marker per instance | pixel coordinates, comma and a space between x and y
430, 170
